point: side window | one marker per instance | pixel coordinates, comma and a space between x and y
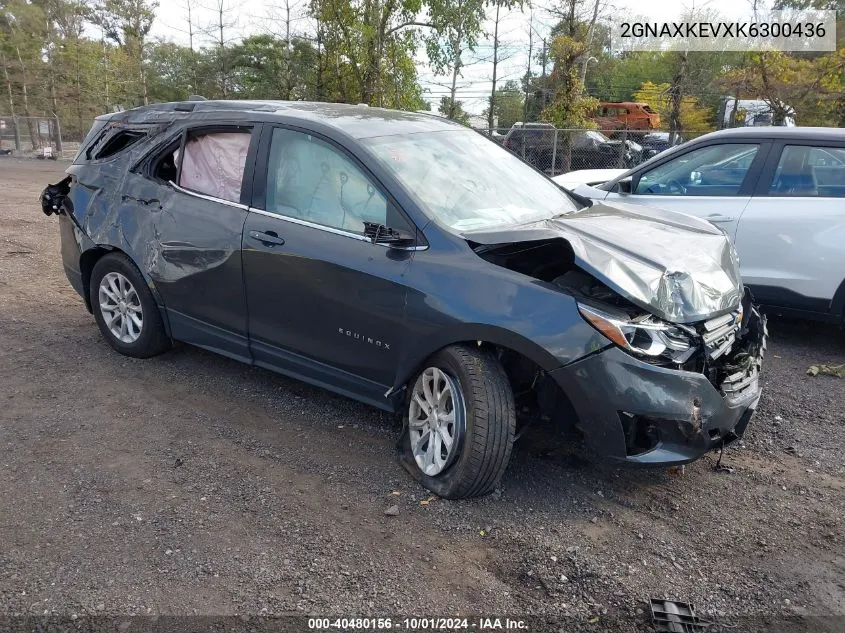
165, 166
716, 170
112, 144
213, 163
311, 180
810, 171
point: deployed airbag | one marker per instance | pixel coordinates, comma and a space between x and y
213, 164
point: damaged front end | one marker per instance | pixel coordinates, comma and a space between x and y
666, 393
683, 374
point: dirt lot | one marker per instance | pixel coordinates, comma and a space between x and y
192, 484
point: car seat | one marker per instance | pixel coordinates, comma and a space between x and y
795, 177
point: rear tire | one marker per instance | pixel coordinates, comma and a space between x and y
125, 309
481, 422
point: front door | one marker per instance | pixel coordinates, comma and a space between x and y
324, 303
713, 182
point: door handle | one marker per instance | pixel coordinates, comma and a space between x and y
716, 217
268, 238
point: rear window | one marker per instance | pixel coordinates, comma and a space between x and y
112, 142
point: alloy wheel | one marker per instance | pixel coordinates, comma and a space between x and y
436, 421
120, 306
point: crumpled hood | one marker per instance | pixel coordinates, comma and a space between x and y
678, 267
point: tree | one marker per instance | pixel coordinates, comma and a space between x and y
507, 106
569, 107
457, 25
360, 42
453, 110
127, 23
497, 56
692, 116
266, 67
809, 86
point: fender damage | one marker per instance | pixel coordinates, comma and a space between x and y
679, 268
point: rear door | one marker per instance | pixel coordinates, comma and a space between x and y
712, 181
791, 238
189, 206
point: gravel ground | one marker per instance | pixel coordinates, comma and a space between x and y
192, 484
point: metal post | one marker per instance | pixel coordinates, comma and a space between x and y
17, 131
554, 153
623, 147
58, 130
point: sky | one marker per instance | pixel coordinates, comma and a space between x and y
256, 16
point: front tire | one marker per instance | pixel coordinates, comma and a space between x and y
459, 423
125, 309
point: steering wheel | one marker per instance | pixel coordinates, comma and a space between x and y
673, 187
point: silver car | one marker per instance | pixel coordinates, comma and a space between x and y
778, 193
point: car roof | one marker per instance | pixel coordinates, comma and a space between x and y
743, 133
358, 121
778, 132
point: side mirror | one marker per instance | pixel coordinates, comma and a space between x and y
381, 234
625, 185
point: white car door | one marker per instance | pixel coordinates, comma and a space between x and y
791, 238
712, 181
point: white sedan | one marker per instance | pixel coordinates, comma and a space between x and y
778, 193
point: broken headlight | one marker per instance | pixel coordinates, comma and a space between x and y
644, 335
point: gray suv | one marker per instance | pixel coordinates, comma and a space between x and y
414, 265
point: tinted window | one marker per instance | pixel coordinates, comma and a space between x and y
310, 180
810, 171
213, 164
716, 170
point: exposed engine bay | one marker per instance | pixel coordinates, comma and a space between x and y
725, 348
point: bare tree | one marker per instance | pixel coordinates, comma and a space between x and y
11, 100
530, 53
499, 55
218, 32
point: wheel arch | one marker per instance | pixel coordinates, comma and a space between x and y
89, 258
837, 304
519, 356
469, 334
527, 366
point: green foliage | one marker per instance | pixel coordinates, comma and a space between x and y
509, 104
694, 117
569, 108
811, 85
454, 110
55, 62
266, 67
618, 78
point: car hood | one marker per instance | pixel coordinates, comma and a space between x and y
586, 176
679, 268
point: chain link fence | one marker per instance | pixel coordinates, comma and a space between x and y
558, 151
32, 137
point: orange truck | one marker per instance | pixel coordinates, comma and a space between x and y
627, 114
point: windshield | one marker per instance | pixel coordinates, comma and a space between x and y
468, 182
